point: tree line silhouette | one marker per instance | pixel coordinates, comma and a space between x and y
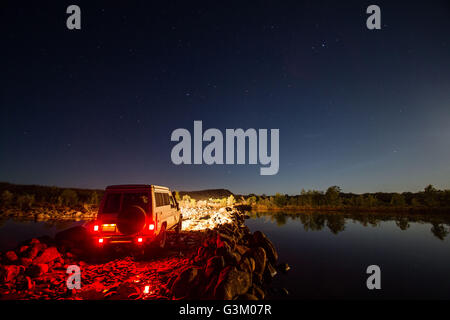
334, 199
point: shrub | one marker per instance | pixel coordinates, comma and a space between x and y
230, 200
280, 200
6, 198
25, 201
94, 198
398, 200
69, 197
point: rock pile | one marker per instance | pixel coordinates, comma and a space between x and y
230, 264
205, 217
22, 268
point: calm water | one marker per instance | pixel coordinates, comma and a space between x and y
329, 254
13, 232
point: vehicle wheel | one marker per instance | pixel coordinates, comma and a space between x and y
179, 225
162, 237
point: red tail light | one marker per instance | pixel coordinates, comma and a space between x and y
151, 226
140, 240
100, 241
96, 227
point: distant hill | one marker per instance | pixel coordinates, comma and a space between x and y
206, 194
51, 194
44, 192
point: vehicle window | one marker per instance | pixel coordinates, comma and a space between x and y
136, 199
112, 203
158, 199
166, 199
162, 199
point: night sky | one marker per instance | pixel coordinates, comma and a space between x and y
365, 110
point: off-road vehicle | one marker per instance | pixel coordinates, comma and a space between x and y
138, 215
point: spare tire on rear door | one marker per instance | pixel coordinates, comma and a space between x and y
131, 220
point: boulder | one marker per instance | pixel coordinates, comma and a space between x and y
213, 265
126, 291
252, 264
260, 239
270, 271
23, 249
36, 270
48, 255
25, 261
232, 258
34, 251
201, 254
241, 249
24, 283
232, 283
247, 264
259, 255
11, 256
183, 282
257, 291
210, 285
9, 273
223, 250
223, 237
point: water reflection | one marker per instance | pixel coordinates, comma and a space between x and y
336, 221
15, 230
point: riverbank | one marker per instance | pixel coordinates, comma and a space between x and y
325, 209
44, 212
215, 257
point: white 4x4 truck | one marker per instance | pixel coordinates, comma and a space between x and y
138, 215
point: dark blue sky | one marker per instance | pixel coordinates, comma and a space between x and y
365, 110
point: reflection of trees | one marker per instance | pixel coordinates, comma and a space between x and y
402, 223
336, 223
374, 221
316, 221
313, 222
280, 219
367, 219
439, 230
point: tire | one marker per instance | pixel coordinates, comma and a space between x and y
131, 220
162, 237
179, 225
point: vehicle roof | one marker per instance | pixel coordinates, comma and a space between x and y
135, 186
